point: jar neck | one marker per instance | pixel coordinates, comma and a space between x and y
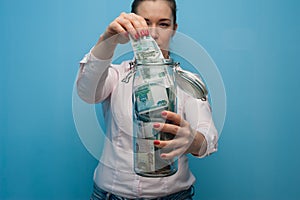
154, 62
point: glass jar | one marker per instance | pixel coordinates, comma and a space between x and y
154, 90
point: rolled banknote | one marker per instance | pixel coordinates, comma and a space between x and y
146, 50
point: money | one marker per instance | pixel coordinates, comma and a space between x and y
151, 97
145, 154
153, 92
146, 50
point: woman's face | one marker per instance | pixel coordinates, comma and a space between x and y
160, 20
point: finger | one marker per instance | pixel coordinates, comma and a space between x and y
166, 144
167, 128
175, 148
140, 19
174, 117
115, 28
127, 26
143, 22
138, 23
160, 143
171, 149
116, 33
172, 154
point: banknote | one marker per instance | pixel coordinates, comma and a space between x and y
146, 50
145, 155
150, 97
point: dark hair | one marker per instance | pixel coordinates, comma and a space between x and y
172, 3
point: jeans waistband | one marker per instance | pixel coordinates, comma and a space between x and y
99, 194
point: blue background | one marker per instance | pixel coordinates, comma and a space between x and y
255, 45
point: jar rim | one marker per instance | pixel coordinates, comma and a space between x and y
154, 62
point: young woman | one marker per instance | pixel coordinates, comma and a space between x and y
101, 81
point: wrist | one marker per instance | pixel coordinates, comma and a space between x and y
199, 145
104, 49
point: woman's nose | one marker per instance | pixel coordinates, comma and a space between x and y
153, 32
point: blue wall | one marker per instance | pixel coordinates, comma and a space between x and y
255, 45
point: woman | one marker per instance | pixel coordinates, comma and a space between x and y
101, 81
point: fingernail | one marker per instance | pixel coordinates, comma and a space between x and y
164, 113
156, 142
137, 36
163, 155
147, 32
156, 125
142, 33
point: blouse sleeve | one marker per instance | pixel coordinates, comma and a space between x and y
198, 113
95, 80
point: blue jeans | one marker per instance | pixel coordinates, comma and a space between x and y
99, 194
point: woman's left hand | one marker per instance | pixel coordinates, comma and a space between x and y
186, 140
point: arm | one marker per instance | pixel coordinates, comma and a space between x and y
199, 115
117, 33
93, 84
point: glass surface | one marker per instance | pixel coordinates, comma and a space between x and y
154, 90
191, 84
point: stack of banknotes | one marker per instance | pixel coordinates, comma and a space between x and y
153, 92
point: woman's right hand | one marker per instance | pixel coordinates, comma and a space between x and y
126, 23
118, 32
